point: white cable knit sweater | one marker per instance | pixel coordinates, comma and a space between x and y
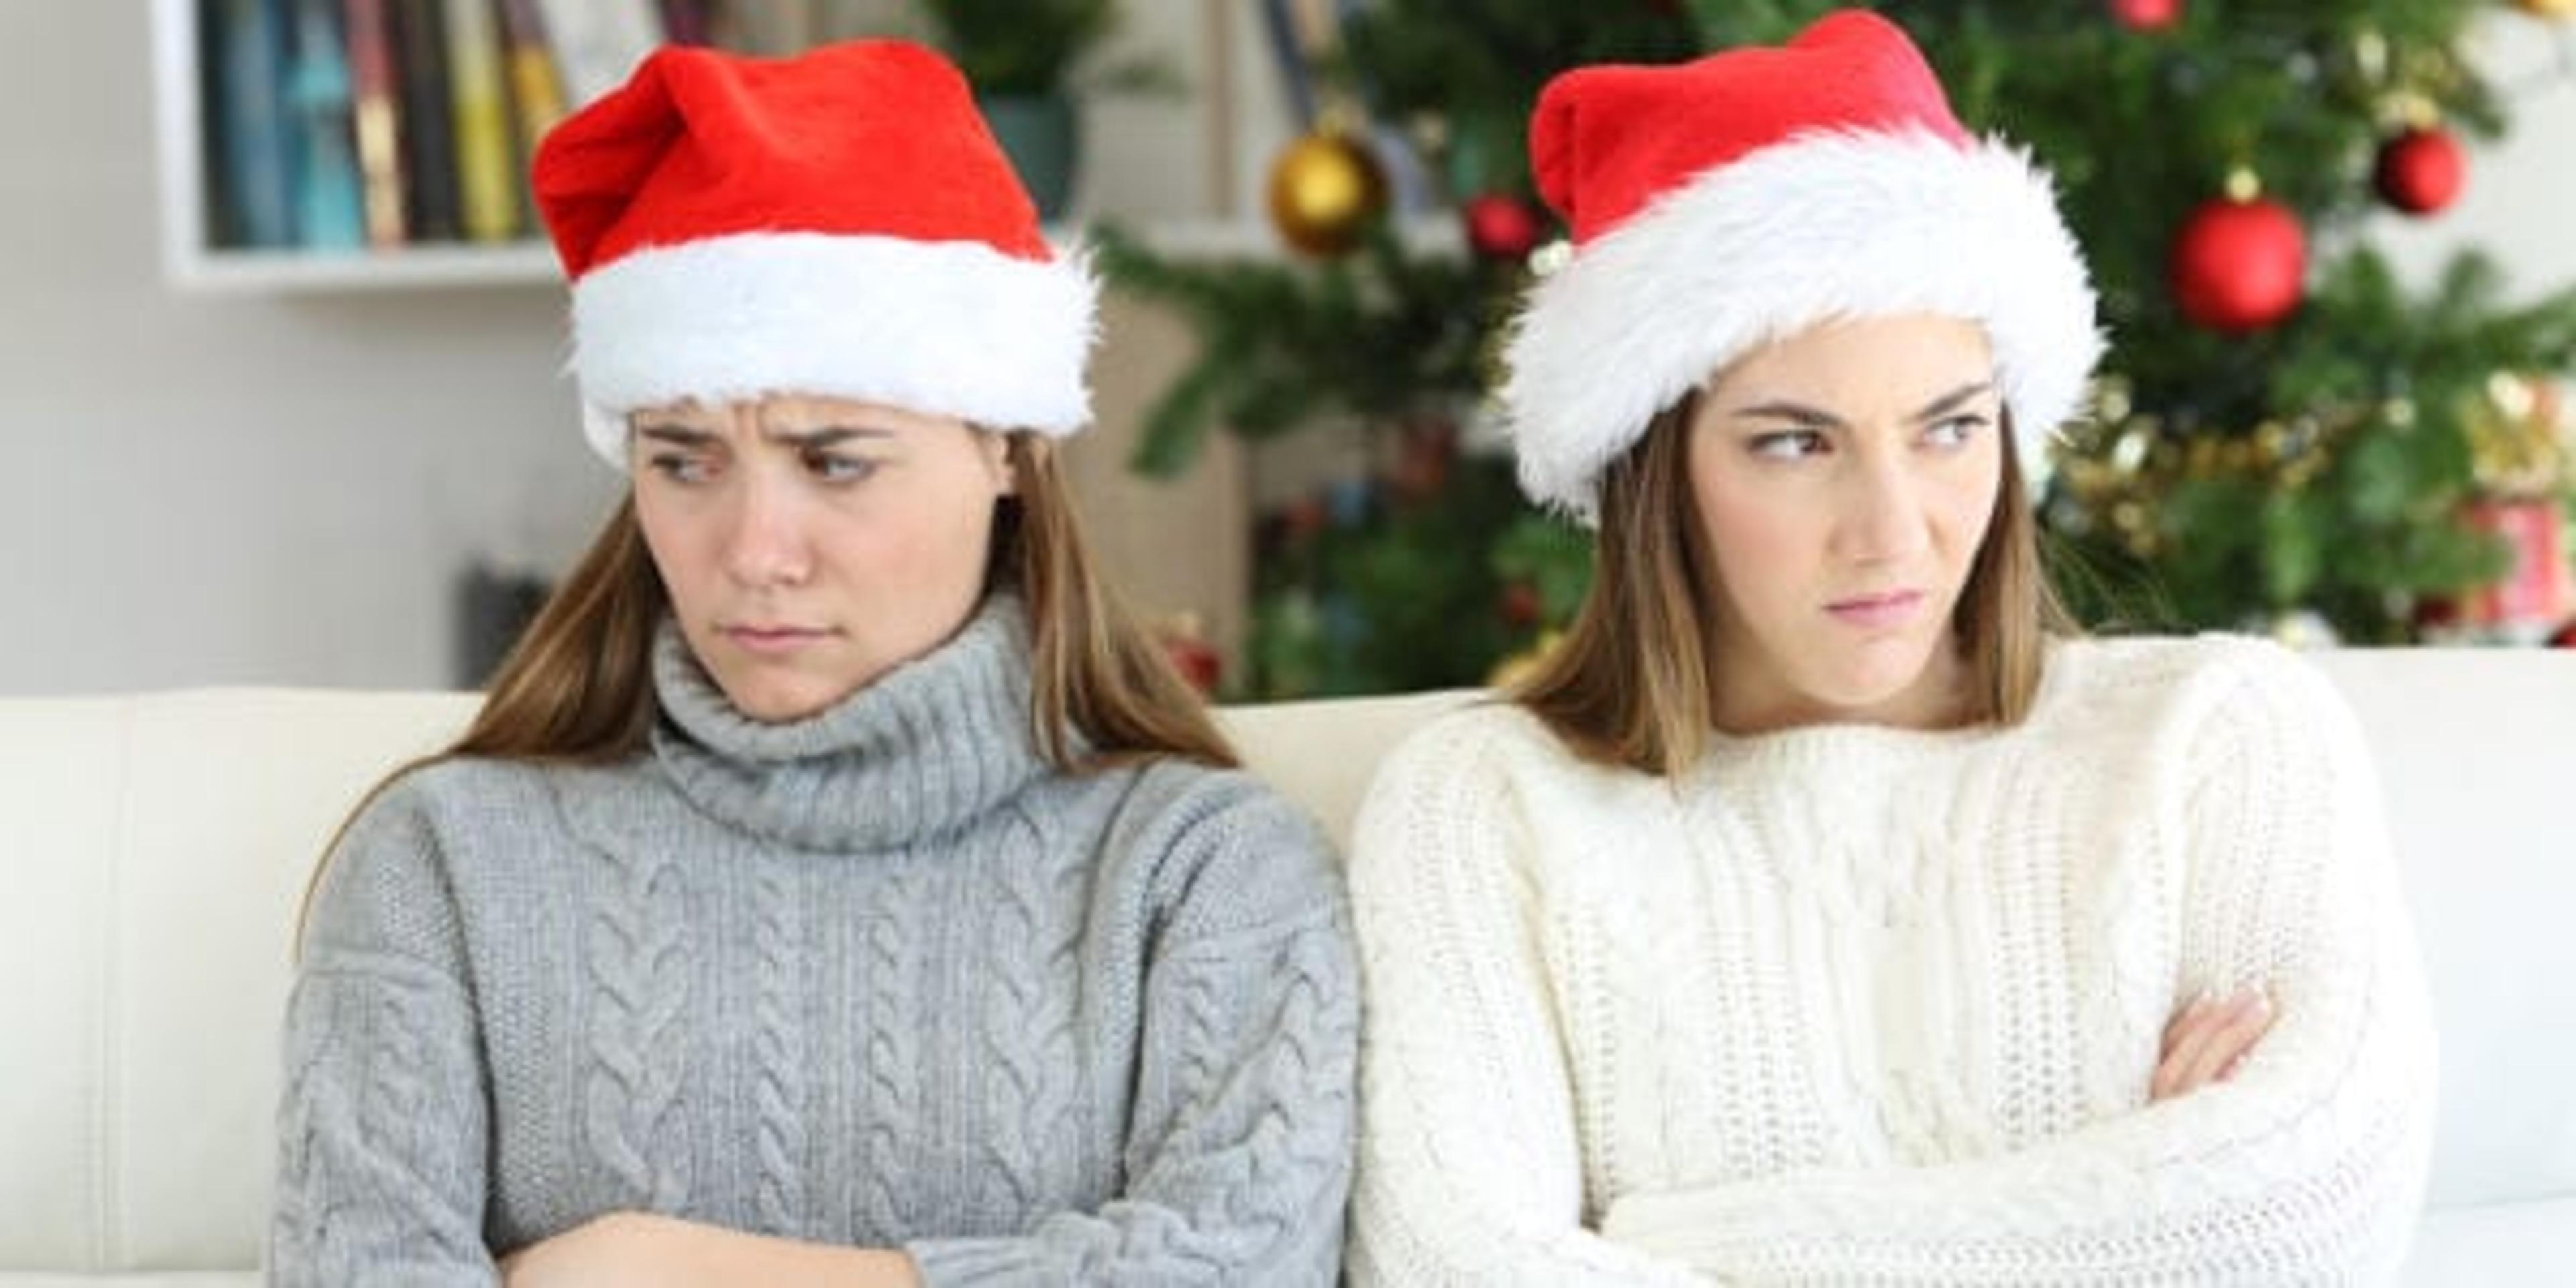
1852, 1004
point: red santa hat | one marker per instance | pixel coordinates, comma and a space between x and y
1725, 203
837, 224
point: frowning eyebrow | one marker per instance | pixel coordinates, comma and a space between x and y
675, 435
1818, 418
822, 436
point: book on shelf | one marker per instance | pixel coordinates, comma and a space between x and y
432, 206
329, 210
536, 88
479, 111
375, 109
253, 187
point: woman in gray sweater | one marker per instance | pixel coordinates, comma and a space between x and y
835, 886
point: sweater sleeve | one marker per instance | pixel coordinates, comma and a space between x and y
1239, 1141
1470, 1170
381, 1129
2306, 1167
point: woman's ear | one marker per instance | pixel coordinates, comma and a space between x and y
1001, 454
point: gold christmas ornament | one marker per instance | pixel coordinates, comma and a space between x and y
2514, 444
1324, 190
2552, 9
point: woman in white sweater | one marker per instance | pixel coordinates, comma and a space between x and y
1825, 911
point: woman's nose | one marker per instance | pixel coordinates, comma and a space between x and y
766, 544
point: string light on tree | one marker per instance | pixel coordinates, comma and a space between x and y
2240, 262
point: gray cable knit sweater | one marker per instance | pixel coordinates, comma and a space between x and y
878, 978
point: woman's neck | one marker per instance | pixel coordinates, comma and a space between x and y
1749, 705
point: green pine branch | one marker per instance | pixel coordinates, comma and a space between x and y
1283, 345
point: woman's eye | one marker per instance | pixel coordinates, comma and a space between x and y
1954, 431
1788, 444
833, 468
680, 468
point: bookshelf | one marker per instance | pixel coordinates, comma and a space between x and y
193, 261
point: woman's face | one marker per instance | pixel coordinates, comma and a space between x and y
811, 545
1845, 478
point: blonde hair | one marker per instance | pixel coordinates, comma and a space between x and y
577, 687
1632, 682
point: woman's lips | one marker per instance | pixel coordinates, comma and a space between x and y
774, 641
1877, 612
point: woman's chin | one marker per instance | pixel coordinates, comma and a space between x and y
1871, 682
783, 699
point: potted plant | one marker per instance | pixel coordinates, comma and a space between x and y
1024, 57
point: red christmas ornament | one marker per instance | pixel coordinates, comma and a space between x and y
2566, 636
2239, 265
2147, 15
1185, 643
1520, 605
1501, 226
2421, 170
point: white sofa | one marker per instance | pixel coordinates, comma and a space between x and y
153, 849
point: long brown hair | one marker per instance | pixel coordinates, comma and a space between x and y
577, 687
1632, 683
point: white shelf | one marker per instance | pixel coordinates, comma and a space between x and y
408, 267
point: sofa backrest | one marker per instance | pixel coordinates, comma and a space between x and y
154, 850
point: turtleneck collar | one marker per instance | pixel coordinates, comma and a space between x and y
918, 752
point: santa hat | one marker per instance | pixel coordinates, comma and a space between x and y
1725, 203
836, 224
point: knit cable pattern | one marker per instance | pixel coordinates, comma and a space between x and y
637, 1053
777, 1046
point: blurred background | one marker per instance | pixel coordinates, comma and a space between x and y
279, 356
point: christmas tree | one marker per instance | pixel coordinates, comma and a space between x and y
2281, 432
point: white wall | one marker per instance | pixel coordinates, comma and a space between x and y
200, 490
